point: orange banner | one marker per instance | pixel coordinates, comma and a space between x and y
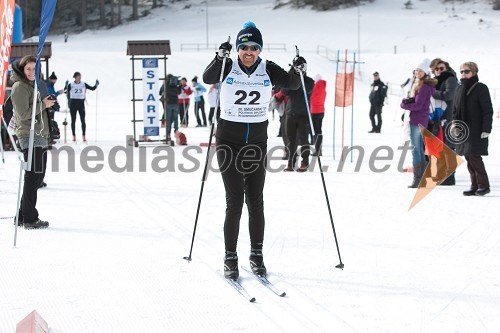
6, 24
344, 88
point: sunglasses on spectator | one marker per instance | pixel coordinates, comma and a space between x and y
249, 47
440, 68
465, 71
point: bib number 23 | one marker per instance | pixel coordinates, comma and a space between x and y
254, 95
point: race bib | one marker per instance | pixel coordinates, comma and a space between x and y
77, 90
243, 98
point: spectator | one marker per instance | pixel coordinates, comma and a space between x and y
212, 101
184, 102
170, 97
77, 91
199, 102
445, 92
297, 125
418, 104
318, 97
242, 133
23, 79
377, 96
472, 106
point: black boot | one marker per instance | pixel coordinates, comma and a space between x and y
417, 175
38, 224
257, 262
231, 265
449, 181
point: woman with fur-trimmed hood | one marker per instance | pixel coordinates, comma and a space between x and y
418, 104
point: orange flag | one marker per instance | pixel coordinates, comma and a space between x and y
344, 87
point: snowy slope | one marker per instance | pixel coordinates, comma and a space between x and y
111, 260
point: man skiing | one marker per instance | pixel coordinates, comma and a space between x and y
241, 137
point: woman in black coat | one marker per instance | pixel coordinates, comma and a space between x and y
473, 117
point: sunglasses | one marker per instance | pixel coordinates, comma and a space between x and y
249, 47
465, 71
440, 68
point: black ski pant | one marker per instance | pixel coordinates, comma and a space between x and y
297, 130
478, 176
376, 110
77, 105
200, 106
32, 181
243, 170
317, 120
211, 115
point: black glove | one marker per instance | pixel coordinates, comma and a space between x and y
299, 64
96, 82
224, 50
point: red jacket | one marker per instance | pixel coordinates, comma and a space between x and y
318, 97
184, 95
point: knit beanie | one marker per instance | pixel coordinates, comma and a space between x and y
424, 66
53, 76
249, 35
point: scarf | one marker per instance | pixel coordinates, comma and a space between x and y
463, 91
441, 78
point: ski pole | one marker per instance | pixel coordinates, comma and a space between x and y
205, 170
340, 265
1, 145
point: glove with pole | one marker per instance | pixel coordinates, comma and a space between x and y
224, 50
299, 64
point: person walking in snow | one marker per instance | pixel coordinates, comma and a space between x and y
184, 102
199, 102
241, 138
418, 104
76, 92
377, 96
318, 98
472, 106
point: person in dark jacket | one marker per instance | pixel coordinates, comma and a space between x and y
472, 123
170, 101
377, 96
23, 93
297, 125
445, 91
418, 104
77, 91
241, 138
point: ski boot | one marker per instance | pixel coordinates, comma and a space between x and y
38, 224
257, 262
231, 266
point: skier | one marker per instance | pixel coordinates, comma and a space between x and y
184, 102
76, 97
170, 101
245, 93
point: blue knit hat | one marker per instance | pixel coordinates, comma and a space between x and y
249, 35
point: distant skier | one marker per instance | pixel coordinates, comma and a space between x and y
377, 96
242, 132
76, 92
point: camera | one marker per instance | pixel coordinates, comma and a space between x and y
409, 100
56, 106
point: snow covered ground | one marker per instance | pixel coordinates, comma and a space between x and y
111, 260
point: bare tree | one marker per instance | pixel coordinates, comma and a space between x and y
135, 10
